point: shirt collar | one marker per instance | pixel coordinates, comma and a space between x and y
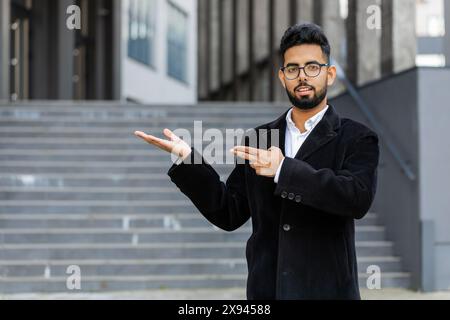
309, 124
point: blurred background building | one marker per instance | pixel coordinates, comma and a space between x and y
77, 189
239, 41
125, 50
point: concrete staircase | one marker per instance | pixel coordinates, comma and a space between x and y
77, 188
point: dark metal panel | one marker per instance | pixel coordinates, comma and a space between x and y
352, 42
318, 12
293, 9
116, 85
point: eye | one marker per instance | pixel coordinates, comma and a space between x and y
312, 67
292, 69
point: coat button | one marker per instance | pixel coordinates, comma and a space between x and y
298, 198
286, 227
291, 196
284, 194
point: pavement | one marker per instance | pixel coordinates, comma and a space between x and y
211, 294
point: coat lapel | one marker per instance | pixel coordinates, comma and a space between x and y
280, 125
324, 132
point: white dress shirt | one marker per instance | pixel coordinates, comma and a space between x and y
294, 138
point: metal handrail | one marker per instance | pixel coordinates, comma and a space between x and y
363, 106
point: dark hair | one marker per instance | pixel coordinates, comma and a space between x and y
305, 33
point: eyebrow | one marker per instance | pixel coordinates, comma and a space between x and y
297, 65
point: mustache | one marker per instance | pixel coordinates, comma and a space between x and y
304, 85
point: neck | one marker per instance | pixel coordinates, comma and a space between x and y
300, 116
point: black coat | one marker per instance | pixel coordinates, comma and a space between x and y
303, 240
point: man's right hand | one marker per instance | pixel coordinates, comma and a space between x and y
175, 145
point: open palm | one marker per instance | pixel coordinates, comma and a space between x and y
174, 145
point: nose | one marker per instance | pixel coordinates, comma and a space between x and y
302, 77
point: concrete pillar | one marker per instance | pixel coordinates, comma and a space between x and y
214, 45
261, 25
369, 41
5, 10
65, 46
261, 45
227, 36
447, 33
281, 23
242, 47
404, 34
202, 49
281, 20
305, 10
117, 50
334, 27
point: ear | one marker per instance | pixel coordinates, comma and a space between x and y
281, 77
331, 75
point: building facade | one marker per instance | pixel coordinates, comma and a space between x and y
370, 39
161, 42
137, 50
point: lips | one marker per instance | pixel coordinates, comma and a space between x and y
304, 91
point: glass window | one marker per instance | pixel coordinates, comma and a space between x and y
141, 32
177, 43
430, 21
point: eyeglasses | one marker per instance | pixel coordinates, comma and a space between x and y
311, 70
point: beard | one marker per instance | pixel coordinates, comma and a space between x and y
306, 103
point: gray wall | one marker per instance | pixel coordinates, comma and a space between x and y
434, 145
394, 104
447, 33
413, 110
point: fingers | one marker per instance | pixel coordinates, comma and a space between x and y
149, 138
249, 150
160, 143
169, 134
246, 156
255, 161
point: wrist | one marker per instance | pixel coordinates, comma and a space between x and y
185, 154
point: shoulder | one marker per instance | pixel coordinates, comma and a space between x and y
355, 130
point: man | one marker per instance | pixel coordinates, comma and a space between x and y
302, 198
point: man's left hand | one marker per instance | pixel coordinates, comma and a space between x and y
265, 162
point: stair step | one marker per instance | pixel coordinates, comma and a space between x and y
144, 235
120, 283
154, 220
95, 207
152, 250
36, 268
148, 167
78, 188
